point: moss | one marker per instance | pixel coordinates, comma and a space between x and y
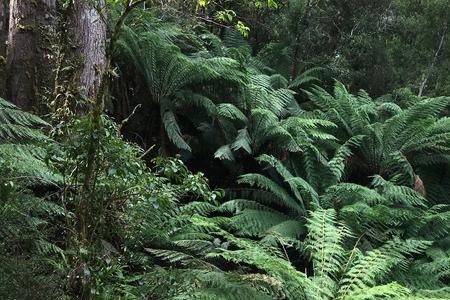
26, 27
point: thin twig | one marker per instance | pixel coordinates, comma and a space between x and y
146, 152
127, 119
212, 21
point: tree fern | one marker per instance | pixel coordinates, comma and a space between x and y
393, 141
25, 250
168, 74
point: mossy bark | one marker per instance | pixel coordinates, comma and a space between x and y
29, 62
4, 24
81, 57
21, 57
88, 33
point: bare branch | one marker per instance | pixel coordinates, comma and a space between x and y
129, 117
426, 76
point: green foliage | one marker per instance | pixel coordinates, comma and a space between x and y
168, 73
355, 274
394, 139
26, 247
328, 194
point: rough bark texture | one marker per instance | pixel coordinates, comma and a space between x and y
29, 59
89, 41
4, 21
21, 56
2, 12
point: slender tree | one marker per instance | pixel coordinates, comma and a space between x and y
426, 76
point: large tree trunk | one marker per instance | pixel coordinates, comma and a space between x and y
89, 41
4, 22
86, 53
29, 52
3, 15
21, 56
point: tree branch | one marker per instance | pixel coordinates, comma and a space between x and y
426, 76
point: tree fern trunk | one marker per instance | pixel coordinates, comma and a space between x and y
295, 61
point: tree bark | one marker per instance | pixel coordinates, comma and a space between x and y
4, 22
89, 40
3, 13
21, 57
29, 61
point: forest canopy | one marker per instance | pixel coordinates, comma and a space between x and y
220, 149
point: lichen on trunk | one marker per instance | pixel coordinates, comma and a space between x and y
89, 42
30, 59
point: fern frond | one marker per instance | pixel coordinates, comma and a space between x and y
324, 242
388, 291
377, 263
173, 130
267, 184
